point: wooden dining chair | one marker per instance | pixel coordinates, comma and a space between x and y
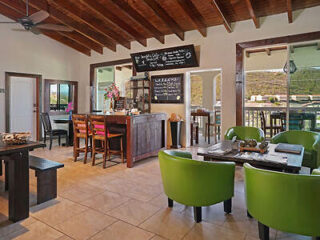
100, 133
264, 126
81, 130
47, 127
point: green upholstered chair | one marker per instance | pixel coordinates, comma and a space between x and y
286, 202
196, 183
244, 133
310, 141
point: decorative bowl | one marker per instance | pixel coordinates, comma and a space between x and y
16, 138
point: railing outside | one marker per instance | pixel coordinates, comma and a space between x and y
252, 117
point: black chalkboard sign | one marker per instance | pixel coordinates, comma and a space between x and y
167, 58
167, 88
120, 103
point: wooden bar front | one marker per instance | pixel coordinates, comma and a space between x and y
145, 134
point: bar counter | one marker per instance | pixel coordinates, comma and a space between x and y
145, 134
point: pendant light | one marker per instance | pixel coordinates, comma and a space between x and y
292, 67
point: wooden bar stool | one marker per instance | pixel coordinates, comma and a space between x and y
81, 130
100, 133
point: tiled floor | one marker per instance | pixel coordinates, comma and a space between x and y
118, 203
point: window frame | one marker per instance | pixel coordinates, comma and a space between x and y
73, 94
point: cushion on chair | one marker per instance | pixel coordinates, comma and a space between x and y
82, 130
102, 129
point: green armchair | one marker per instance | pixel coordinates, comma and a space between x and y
196, 183
310, 142
286, 202
244, 133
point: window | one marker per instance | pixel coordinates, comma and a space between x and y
58, 94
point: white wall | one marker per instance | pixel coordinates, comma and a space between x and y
25, 52
217, 50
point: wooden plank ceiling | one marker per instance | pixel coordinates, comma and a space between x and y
105, 23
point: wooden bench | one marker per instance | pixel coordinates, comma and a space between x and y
46, 173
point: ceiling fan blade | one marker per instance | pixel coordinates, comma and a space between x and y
19, 30
38, 16
36, 31
54, 27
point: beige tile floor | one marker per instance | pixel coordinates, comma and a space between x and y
118, 203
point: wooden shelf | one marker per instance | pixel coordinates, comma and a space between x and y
141, 94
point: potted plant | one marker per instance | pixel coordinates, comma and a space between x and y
112, 93
175, 125
69, 110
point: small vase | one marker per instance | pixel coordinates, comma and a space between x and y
111, 105
106, 106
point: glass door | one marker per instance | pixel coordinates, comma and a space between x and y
303, 68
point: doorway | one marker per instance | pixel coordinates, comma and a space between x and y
205, 99
23, 104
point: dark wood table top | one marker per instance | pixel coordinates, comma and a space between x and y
7, 149
270, 160
199, 114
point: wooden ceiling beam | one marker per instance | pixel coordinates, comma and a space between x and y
226, 22
14, 15
107, 15
20, 6
140, 19
67, 41
79, 38
72, 7
193, 14
84, 29
252, 13
165, 17
289, 9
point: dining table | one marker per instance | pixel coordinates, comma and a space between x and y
272, 160
17, 158
70, 128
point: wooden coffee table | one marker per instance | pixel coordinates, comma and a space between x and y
278, 163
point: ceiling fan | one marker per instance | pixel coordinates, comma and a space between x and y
33, 23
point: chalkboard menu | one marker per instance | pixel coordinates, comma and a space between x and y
167, 58
167, 88
120, 103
